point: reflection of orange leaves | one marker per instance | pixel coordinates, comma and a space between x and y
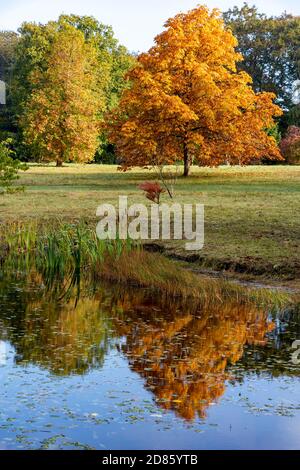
184, 357
181, 349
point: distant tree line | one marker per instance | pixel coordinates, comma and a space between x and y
271, 55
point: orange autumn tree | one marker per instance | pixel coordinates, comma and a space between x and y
61, 119
188, 103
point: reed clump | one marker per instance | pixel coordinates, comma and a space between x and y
56, 249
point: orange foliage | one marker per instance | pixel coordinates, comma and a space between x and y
187, 101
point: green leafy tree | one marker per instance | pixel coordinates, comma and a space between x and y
8, 43
270, 47
32, 57
114, 62
291, 118
61, 117
114, 59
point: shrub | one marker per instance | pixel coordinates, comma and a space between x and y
152, 191
290, 145
9, 168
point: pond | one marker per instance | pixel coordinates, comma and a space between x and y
105, 367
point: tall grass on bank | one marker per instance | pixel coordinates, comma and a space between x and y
155, 271
55, 249
68, 251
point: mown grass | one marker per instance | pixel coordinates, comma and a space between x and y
252, 214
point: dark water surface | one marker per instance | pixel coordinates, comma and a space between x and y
115, 369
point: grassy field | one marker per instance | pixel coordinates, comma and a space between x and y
252, 214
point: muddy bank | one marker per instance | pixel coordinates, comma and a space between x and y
249, 271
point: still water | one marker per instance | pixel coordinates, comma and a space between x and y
107, 368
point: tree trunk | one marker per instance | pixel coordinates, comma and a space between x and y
59, 163
186, 161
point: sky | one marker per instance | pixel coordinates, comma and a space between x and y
135, 22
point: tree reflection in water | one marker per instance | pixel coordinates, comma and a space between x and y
182, 349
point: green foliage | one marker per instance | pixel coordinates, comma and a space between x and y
293, 116
8, 43
114, 62
32, 56
57, 249
106, 152
61, 115
270, 47
275, 132
114, 59
9, 168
